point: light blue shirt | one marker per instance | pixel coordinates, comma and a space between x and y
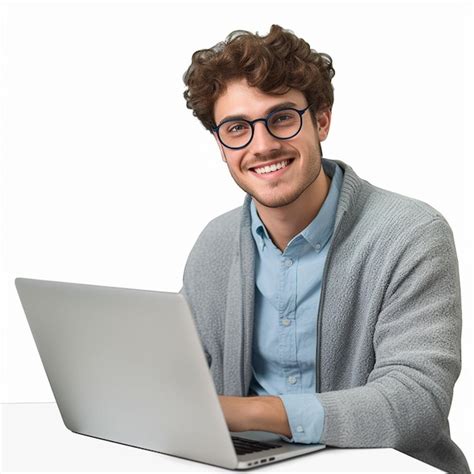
288, 287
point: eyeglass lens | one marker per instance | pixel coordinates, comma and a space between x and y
281, 124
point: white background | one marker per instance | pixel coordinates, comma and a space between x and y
107, 178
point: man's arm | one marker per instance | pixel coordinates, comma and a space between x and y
417, 344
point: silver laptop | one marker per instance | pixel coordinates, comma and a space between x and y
128, 366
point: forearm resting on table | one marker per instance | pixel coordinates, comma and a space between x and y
255, 414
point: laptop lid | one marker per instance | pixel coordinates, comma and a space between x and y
127, 366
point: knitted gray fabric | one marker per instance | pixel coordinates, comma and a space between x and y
389, 322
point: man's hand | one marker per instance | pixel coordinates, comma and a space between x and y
255, 414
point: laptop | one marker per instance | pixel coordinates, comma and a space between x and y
127, 366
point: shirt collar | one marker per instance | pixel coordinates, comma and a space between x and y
259, 231
320, 229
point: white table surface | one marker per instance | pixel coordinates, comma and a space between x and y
35, 439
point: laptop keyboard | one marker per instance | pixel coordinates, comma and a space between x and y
247, 446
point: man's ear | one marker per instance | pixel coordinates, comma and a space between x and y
221, 147
324, 122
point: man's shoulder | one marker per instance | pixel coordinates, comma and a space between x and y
392, 214
222, 230
380, 205
217, 240
389, 203
221, 225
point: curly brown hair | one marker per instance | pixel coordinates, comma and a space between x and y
274, 63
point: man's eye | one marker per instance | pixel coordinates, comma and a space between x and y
238, 127
282, 118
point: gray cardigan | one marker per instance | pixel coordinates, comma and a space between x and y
389, 325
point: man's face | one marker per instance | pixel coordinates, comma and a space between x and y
282, 187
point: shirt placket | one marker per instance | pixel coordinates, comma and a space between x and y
287, 321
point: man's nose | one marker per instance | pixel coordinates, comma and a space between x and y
263, 141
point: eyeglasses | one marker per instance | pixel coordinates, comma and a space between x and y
282, 124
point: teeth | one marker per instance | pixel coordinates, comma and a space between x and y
274, 167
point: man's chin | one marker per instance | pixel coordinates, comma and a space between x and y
274, 202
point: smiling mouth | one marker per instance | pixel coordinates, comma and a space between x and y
268, 169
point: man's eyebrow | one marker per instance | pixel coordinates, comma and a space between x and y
273, 108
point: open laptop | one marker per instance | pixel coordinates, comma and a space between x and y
127, 366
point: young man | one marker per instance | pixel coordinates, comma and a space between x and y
329, 309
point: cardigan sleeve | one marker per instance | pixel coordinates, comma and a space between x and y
417, 339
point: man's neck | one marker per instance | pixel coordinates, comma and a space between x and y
283, 223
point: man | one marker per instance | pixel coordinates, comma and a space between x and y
329, 309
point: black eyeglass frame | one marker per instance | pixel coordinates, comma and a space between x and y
265, 121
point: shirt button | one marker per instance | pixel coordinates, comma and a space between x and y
318, 246
286, 322
288, 262
300, 429
291, 379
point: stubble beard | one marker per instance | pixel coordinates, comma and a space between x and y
276, 201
